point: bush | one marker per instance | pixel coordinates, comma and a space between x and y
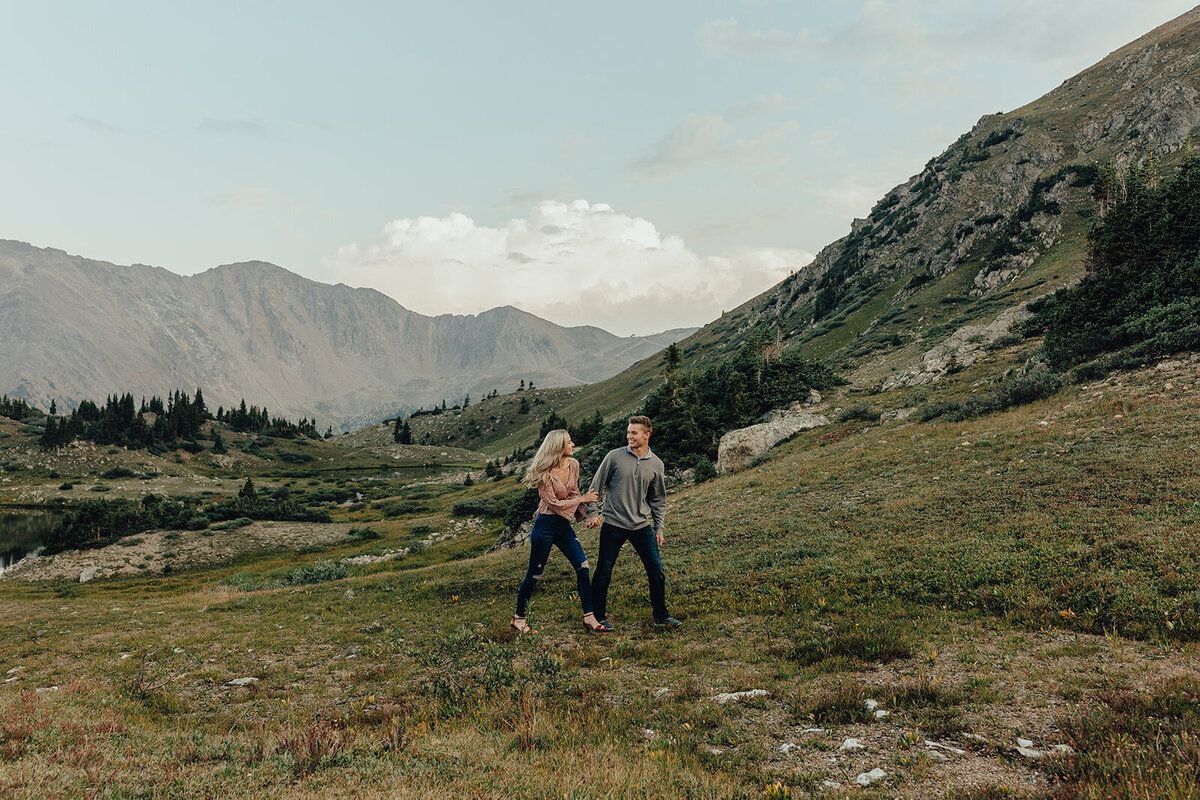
521, 509
704, 470
363, 534
859, 411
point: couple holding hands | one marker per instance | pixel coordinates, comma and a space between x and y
631, 481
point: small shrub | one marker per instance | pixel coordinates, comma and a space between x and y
363, 534
704, 470
118, 472
859, 411
66, 487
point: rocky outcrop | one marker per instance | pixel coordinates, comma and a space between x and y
739, 448
512, 537
959, 350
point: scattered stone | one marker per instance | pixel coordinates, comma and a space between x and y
349, 594
13, 678
954, 750
649, 733
14, 670
831, 784
386, 555
661, 692
716, 751
814, 730
177, 650
975, 737
871, 704
934, 755
1065, 749
41, 689
738, 697
880, 713
867, 778
242, 681
787, 747
1025, 748
87, 573
852, 744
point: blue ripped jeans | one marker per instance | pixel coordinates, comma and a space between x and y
552, 530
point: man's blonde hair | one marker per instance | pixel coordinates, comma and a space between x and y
643, 420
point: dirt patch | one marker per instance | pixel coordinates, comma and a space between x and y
154, 551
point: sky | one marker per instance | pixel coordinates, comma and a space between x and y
635, 166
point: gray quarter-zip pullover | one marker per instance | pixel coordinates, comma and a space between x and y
634, 490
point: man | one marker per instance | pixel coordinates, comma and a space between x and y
633, 491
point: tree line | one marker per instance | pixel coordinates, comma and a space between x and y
158, 423
1140, 297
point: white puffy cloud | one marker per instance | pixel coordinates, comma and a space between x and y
572, 263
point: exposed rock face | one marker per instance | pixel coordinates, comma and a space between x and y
961, 349
738, 448
512, 537
74, 329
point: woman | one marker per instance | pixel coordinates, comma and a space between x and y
556, 477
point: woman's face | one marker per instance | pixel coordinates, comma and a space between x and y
569, 448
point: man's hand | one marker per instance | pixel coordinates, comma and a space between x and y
658, 538
593, 522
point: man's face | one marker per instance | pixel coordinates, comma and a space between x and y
637, 436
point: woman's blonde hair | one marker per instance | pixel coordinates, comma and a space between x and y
547, 458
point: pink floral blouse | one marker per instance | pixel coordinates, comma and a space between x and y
562, 498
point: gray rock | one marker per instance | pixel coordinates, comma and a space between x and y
87, 573
512, 537
738, 448
867, 778
737, 697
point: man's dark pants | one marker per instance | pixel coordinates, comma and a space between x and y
646, 545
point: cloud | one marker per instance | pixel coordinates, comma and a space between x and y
98, 125
573, 263
241, 127
706, 139
725, 36
898, 32
854, 196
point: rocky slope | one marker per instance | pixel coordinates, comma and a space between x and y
72, 328
945, 262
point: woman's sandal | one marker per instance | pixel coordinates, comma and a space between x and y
595, 625
519, 625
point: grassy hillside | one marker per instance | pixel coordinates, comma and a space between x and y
1030, 574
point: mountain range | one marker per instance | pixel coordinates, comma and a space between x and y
72, 328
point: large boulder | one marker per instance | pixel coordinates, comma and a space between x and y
738, 448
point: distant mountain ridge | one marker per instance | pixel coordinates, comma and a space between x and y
73, 328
